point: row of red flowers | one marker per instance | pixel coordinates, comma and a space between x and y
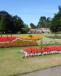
7, 41
9, 38
44, 50
24, 37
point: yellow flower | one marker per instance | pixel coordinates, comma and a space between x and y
30, 37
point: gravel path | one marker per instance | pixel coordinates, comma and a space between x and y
56, 71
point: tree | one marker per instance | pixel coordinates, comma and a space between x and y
20, 26
18, 23
6, 23
32, 25
42, 22
48, 22
56, 21
10, 24
25, 29
55, 28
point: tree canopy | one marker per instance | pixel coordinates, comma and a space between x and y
6, 22
10, 24
44, 22
32, 25
56, 21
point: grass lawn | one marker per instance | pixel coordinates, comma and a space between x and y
13, 64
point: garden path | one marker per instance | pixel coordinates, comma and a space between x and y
55, 71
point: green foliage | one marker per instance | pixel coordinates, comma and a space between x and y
11, 24
56, 21
44, 22
18, 23
55, 28
48, 22
32, 25
5, 22
25, 29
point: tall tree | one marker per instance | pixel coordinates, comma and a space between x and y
32, 25
56, 21
42, 22
10, 24
6, 23
20, 26
18, 23
25, 29
48, 22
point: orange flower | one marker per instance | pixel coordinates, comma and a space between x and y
31, 37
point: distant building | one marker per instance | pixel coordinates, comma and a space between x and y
39, 30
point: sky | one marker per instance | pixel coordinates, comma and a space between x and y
30, 10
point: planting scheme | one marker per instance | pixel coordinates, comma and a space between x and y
22, 40
42, 51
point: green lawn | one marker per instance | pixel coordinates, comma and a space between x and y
13, 64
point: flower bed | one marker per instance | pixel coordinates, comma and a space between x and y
9, 38
18, 42
42, 51
31, 37
23, 40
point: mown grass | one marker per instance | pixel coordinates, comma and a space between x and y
12, 62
